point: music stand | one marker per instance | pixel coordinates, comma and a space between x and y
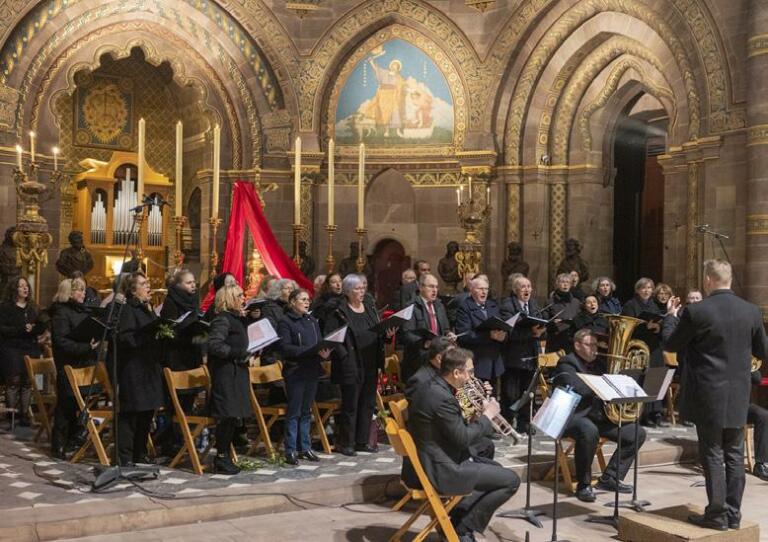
527, 513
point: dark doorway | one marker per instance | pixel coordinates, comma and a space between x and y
389, 261
638, 211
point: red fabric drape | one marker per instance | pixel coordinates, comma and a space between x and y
246, 211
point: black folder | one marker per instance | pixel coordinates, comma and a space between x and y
324, 343
494, 323
87, 330
651, 317
393, 322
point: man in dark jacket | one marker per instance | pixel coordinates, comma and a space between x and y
443, 439
720, 335
589, 423
485, 345
428, 322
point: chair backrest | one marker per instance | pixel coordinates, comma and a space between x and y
326, 365
267, 373
670, 358
402, 443
399, 410
85, 376
44, 367
103, 376
392, 366
185, 380
550, 359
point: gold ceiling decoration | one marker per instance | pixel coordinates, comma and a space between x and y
303, 8
479, 5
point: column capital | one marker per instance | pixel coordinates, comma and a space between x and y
481, 161
757, 45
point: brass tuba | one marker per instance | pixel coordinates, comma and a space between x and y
624, 353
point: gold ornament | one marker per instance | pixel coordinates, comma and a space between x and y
106, 111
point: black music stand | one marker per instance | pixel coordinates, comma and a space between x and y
527, 513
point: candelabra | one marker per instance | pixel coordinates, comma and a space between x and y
297, 231
178, 254
215, 222
472, 214
360, 263
330, 262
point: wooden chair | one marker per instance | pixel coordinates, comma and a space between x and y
749, 440
391, 369
191, 426
45, 399
266, 416
399, 409
565, 465
322, 412
670, 360
547, 362
84, 377
437, 506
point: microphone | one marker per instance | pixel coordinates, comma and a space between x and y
701, 228
149, 201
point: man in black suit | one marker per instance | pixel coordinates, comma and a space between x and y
521, 351
443, 437
429, 321
429, 370
720, 335
409, 291
589, 423
485, 345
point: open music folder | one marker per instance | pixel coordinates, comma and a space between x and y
395, 321
260, 335
619, 388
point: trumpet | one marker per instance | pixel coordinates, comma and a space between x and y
471, 397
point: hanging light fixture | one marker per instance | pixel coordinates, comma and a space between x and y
479, 5
303, 8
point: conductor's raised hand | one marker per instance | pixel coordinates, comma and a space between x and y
673, 306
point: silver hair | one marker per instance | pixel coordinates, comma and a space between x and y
598, 280
350, 282
275, 288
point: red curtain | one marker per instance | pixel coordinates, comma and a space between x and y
246, 211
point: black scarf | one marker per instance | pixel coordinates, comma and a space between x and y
185, 300
562, 297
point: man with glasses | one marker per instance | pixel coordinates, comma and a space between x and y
589, 423
409, 291
443, 439
429, 321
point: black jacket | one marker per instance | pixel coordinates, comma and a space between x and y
347, 367
443, 438
560, 335
230, 378
324, 305
420, 378
184, 351
635, 307
297, 334
414, 352
565, 374
720, 335
521, 350
273, 310
139, 357
65, 317
487, 352
594, 322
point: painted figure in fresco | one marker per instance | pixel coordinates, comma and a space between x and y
76, 257
387, 108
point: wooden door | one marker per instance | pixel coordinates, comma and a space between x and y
389, 261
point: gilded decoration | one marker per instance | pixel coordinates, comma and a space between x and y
104, 112
757, 45
757, 135
440, 59
513, 212
9, 100
692, 218
557, 223
757, 224
563, 28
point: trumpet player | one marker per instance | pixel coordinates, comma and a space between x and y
443, 439
589, 423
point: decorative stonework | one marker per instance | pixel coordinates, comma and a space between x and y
757, 45
557, 223
513, 212
757, 135
757, 224
692, 218
9, 100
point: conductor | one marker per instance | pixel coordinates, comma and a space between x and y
720, 335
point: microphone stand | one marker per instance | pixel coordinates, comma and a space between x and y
704, 229
635, 504
111, 475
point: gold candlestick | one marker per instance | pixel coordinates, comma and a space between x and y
330, 262
360, 263
215, 222
139, 226
297, 230
178, 254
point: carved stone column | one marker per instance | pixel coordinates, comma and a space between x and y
558, 221
756, 269
691, 219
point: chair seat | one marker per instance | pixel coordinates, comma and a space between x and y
277, 410
335, 403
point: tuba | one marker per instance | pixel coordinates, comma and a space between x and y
624, 353
471, 397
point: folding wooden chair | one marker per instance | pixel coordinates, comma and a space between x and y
749, 440
84, 377
391, 369
45, 399
266, 416
399, 410
565, 465
322, 412
191, 426
547, 362
437, 506
670, 360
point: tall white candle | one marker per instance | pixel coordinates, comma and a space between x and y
297, 181
471, 196
458, 197
216, 170
179, 141
487, 195
55, 152
19, 152
331, 179
32, 147
142, 142
361, 188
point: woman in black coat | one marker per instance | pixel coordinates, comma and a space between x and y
139, 357
563, 307
299, 332
230, 379
355, 365
590, 318
327, 299
605, 289
183, 352
67, 312
20, 327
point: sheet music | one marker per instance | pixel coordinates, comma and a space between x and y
627, 385
337, 336
512, 322
609, 386
260, 335
405, 314
181, 318
556, 411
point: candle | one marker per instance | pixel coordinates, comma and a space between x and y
361, 188
19, 152
179, 140
458, 197
32, 147
487, 195
140, 175
55, 151
216, 170
331, 175
297, 182
471, 198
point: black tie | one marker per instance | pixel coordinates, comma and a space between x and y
525, 308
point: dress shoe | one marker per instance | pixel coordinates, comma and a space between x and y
586, 494
59, 453
734, 523
309, 455
222, 464
366, 448
347, 451
761, 471
467, 537
292, 458
240, 440
609, 484
700, 520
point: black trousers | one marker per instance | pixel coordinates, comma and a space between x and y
758, 416
721, 453
495, 486
357, 404
514, 382
587, 433
225, 432
132, 433
64, 421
